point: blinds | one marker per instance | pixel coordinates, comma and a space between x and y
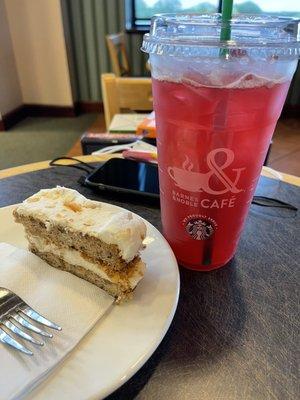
86, 22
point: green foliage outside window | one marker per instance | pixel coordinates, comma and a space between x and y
144, 10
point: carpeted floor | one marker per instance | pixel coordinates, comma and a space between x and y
38, 139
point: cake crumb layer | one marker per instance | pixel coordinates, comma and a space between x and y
115, 290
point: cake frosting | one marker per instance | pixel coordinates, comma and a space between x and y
69, 209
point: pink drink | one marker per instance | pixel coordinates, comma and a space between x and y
211, 144
216, 104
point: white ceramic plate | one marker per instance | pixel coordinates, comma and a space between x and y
125, 338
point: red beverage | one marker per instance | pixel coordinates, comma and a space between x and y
212, 143
216, 105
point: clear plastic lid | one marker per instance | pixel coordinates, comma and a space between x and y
194, 35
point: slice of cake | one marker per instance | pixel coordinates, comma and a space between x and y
92, 240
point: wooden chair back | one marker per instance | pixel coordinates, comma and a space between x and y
119, 93
117, 53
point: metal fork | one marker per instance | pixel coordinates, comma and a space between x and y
13, 313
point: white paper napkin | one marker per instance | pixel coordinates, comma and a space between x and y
72, 303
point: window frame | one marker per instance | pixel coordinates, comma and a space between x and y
130, 18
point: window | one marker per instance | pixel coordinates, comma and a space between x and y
286, 8
139, 12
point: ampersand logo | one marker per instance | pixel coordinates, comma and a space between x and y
187, 179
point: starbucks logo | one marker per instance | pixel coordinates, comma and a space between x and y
200, 228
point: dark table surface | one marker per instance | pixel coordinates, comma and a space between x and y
236, 330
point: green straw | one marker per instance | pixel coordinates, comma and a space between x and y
227, 6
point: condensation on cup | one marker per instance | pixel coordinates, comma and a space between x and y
216, 106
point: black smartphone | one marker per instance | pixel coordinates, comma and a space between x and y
126, 176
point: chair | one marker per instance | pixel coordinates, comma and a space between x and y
118, 55
119, 93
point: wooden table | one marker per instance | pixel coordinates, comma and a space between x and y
234, 335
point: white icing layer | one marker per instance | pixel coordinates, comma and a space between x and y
69, 209
75, 258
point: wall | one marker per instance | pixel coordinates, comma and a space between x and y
10, 92
87, 23
38, 40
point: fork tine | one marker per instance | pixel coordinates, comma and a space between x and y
9, 325
39, 318
22, 321
5, 338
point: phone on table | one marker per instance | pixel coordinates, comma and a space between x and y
126, 177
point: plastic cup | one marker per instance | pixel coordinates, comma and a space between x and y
216, 105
